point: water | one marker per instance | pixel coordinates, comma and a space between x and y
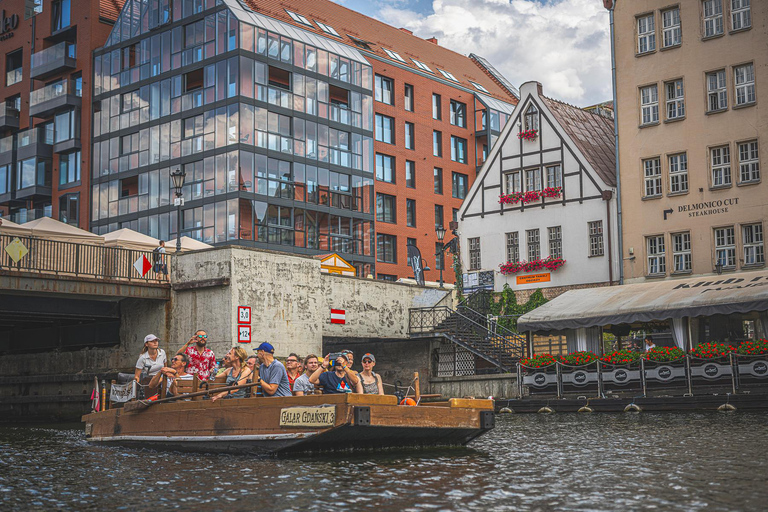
648, 461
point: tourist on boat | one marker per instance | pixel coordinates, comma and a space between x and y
237, 373
151, 360
292, 369
272, 375
339, 380
302, 386
201, 359
649, 343
177, 371
251, 362
370, 381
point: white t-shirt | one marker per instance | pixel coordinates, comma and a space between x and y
155, 364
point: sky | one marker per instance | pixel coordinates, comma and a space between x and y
564, 44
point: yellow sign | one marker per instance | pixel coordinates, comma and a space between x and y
533, 278
16, 250
324, 416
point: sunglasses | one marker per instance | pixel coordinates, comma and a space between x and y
367, 361
203, 336
291, 361
176, 359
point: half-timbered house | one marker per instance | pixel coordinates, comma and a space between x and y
542, 212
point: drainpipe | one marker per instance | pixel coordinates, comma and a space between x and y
607, 198
611, 5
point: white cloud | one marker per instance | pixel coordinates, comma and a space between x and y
563, 44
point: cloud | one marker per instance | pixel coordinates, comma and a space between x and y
564, 44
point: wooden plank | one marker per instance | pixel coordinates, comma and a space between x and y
471, 403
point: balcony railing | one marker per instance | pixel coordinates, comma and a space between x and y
6, 144
53, 91
24, 216
79, 260
34, 135
13, 76
54, 55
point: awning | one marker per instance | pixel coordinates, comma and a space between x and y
700, 296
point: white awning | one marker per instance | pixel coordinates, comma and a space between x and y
742, 292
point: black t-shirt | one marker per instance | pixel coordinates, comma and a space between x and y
333, 384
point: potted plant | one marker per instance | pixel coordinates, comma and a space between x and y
664, 354
753, 348
528, 134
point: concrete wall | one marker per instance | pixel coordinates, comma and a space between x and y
478, 386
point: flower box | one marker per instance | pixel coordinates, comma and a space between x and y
528, 135
530, 196
549, 263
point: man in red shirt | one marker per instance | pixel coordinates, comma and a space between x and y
201, 359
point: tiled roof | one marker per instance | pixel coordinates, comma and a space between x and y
380, 36
593, 135
110, 9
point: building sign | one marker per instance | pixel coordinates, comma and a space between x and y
8, 25
324, 416
338, 316
706, 208
533, 278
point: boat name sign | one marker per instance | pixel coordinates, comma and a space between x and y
324, 416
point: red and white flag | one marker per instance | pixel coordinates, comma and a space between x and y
338, 316
142, 265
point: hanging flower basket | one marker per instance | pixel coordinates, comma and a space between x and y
528, 135
549, 263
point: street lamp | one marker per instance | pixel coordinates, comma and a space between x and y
178, 182
440, 232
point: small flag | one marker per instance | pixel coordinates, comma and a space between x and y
142, 265
338, 316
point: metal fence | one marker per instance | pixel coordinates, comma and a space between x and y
77, 259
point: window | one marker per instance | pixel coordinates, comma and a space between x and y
69, 208
439, 256
652, 171
384, 88
713, 18
327, 29
670, 22
386, 207
458, 149
554, 176
422, 66
595, 238
478, 86
410, 174
13, 67
448, 75
385, 168
744, 80
725, 247
675, 99
298, 18
436, 107
64, 127
410, 242
386, 248
657, 257
649, 104
437, 143
458, 114
531, 118
681, 252
740, 14
513, 247
439, 216
385, 129
749, 162
408, 98
474, 253
534, 250
14, 102
752, 238
32, 8
512, 182
409, 136
386, 277
716, 91
555, 242
69, 168
60, 10
678, 173
721, 166
533, 180
646, 34
410, 213
460, 185
394, 55
438, 180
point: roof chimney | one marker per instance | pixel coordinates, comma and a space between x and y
432, 40
406, 30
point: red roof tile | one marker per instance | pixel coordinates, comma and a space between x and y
380, 35
110, 9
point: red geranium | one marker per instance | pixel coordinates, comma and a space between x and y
664, 354
753, 348
578, 358
712, 350
528, 134
549, 263
621, 357
539, 361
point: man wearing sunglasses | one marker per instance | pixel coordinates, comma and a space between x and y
201, 359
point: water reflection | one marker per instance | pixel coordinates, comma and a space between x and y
531, 462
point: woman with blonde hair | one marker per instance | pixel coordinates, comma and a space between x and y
237, 374
151, 360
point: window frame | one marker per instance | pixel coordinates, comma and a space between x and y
719, 92
728, 247
649, 105
745, 88
437, 107
392, 168
474, 252
437, 180
458, 113
408, 98
682, 252
384, 89
437, 143
740, 11
678, 173
675, 29
655, 179
555, 241
722, 166
409, 135
384, 240
384, 129
595, 231
656, 258
410, 174
757, 245
533, 244
645, 34
513, 246
674, 97
410, 213
714, 17
456, 185
752, 162
458, 149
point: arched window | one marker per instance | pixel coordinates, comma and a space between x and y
531, 118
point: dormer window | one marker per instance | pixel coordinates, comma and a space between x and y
531, 118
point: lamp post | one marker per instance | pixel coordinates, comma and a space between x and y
178, 182
719, 267
440, 231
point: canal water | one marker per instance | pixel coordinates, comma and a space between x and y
707, 461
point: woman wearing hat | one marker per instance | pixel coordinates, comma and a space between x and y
152, 358
371, 381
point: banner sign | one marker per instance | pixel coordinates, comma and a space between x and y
414, 261
323, 416
122, 392
533, 278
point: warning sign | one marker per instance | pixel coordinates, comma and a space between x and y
533, 278
244, 333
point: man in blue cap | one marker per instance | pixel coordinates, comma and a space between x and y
272, 375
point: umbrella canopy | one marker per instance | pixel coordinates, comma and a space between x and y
130, 239
187, 244
13, 229
46, 227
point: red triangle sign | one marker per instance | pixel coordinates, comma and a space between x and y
142, 265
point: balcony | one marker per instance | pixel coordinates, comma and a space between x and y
54, 97
13, 76
35, 142
33, 179
24, 215
9, 117
56, 59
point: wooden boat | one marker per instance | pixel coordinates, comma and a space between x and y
281, 425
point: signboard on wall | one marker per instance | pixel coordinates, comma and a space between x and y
244, 333
534, 278
244, 314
